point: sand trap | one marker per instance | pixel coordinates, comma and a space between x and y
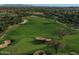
39, 38
43, 39
5, 44
40, 52
25, 21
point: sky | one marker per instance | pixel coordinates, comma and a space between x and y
62, 5
52, 5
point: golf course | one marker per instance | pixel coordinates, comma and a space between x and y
23, 37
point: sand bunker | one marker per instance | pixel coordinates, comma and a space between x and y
40, 52
5, 44
42, 39
24, 21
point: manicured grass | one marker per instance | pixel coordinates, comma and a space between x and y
72, 43
23, 36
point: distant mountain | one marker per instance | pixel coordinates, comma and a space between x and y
15, 5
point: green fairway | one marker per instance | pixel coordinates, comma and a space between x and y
23, 36
72, 42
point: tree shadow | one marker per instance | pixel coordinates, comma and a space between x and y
36, 42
